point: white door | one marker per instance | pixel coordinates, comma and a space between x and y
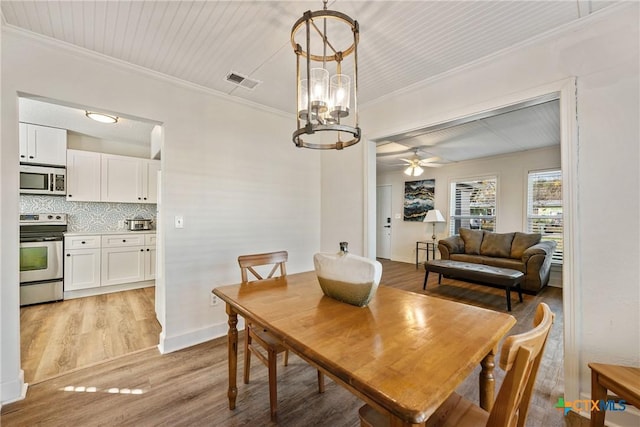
383, 221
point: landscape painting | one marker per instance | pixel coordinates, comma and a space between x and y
418, 198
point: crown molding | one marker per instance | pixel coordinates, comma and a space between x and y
87, 53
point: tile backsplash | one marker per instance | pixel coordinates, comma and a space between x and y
87, 216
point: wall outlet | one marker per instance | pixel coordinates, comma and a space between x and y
214, 300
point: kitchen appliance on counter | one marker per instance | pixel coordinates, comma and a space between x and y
43, 180
41, 255
138, 224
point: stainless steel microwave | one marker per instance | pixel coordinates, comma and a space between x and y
43, 180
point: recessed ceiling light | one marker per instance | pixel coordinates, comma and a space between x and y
102, 118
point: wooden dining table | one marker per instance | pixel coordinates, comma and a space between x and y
403, 354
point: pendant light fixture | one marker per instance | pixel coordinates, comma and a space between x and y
326, 80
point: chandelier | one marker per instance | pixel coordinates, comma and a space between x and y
326, 42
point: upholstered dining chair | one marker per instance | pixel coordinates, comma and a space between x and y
520, 358
257, 339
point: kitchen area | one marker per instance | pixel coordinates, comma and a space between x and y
88, 216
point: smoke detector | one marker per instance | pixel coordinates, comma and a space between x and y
242, 81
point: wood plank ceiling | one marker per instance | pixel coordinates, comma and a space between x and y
200, 42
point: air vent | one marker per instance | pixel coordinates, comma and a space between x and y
242, 81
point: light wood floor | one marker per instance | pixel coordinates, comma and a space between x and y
188, 387
62, 336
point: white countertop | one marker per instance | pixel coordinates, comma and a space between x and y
101, 233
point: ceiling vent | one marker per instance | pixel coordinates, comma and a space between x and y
242, 81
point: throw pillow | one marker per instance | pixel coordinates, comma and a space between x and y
496, 244
472, 240
522, 242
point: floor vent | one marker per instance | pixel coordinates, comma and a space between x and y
242, 81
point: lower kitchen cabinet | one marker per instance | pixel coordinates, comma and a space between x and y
81, 269
122, 265
93, 261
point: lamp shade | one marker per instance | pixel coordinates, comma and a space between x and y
434, 216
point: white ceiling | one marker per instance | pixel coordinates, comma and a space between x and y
44, 112
401, 42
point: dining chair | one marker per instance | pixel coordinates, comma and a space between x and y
258, 339
520, 358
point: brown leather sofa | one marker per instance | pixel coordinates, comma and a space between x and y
518, 251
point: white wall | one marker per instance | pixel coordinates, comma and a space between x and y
228, 167
511, 171
78, 141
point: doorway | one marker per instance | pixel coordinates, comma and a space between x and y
383, 221
94, 322
565, 92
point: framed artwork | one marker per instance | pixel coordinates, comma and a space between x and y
418, 198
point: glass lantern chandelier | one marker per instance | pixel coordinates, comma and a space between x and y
326, 118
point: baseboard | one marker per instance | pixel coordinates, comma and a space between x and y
13, 391
81, 293
198, 336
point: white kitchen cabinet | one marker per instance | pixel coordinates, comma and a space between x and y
150, 185
150, 257
128, 179
82, 262
83, 176
42, 145
122, 265
123, 259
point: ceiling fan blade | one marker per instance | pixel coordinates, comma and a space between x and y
430, 160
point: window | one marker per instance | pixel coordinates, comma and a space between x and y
544, 207
473, 204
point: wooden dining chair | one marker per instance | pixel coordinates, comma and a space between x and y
520, 358
258, 339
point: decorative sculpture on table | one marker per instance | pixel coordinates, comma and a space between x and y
346, 277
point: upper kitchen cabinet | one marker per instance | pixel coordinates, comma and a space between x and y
128, 179
83, 176
42, 145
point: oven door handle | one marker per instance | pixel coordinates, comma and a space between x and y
39, 239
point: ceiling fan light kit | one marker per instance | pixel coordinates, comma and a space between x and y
324, 112
413, 170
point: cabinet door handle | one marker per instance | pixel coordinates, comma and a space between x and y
31, 157
124, 241
69, 195
22, 156
68, 254
83, 242
148, 250
139, 198
141, 250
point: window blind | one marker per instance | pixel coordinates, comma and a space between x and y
473, 204
544, 208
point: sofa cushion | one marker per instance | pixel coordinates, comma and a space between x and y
472, 240
496, 244
523, 241
504, 263
476, 259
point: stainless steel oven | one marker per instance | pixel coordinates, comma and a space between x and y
41, 255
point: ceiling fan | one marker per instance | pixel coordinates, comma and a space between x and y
415, 164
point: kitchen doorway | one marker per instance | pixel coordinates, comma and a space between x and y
111, 305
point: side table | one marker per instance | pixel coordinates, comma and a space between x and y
427, 247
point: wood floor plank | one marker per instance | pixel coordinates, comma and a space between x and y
189, 387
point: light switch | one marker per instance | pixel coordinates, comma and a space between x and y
179, 221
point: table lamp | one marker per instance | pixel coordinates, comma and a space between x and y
434, 217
